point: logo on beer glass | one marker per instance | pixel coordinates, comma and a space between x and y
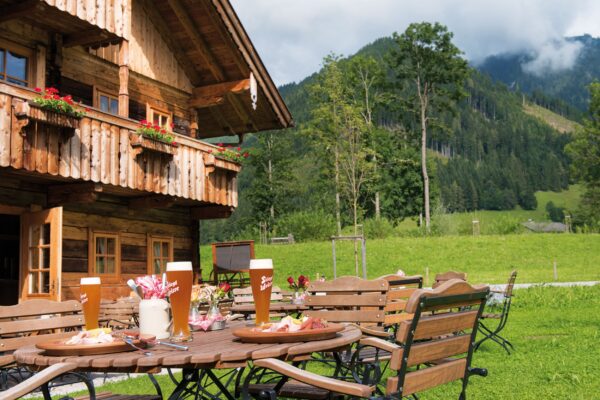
265, 282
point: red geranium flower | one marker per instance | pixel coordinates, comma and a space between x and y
290, 280
224, 286
37, 89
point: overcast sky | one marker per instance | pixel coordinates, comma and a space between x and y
293, 36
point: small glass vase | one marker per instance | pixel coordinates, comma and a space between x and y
194, 312
213, 309
298, 297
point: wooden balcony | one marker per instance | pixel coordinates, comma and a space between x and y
105, 150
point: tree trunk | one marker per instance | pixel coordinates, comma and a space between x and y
355, 215
338, 218
377, 206
424, 167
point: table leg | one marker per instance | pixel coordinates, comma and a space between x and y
195, 384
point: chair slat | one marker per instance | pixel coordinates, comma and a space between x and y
366, 299
349, 284
347, 315
427, 378
38, 307
424, 352
40, 324
437, 325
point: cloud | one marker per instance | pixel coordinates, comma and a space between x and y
293, 36
554, 56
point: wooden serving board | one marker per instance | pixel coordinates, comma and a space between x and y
59, 348
252, 334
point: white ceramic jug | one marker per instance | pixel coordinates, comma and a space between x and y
155, 318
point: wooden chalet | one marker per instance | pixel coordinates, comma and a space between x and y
89, 196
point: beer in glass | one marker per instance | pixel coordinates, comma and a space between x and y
90, 301
261, 280
179, 278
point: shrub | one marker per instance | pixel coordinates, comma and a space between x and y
378, 228
306, 225
556, 214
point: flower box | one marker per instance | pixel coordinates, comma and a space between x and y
141, 143
37, 113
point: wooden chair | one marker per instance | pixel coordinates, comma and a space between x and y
243, 297
120, 314
501, 317
31, 322
446, 276
400, 290
432, 350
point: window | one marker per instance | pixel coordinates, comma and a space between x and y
104, 257
106, 102
15, 64
160, 252
160, 117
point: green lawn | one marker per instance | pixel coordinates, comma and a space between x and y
487, 259
555, 334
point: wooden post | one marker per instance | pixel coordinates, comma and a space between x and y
334, 262
555, 268
193, 123
426, 276
124, 79
195, 228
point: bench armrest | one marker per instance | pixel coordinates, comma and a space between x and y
37, 380
379, 344
310, 378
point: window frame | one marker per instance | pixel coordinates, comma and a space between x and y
92, 235
151, 239
22, 51
150, 110
101, 91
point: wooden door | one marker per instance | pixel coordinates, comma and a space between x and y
41, 254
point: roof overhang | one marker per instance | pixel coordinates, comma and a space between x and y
219, 58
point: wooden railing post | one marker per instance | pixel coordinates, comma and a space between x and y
124, 78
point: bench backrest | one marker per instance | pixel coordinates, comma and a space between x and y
348, 299
35, 321
122, 313
446, 276
441, 343
508, 291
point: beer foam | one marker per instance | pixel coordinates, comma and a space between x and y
264, 263
179, 266
95, 280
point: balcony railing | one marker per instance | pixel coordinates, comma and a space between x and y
104, 148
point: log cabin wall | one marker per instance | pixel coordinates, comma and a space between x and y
134, 228
108, 214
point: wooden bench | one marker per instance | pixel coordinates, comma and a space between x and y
120, 314
289, 239
446, 276
243, 297
36, 321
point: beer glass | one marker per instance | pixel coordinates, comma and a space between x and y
179, 278
90, 301
261, 280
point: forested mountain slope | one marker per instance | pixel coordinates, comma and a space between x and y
492, 156
568, 85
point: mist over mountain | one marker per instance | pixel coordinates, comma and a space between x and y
561, 70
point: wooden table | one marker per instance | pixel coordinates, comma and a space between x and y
207, 350
248, 309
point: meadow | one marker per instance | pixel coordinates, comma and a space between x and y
556, 352
486, 258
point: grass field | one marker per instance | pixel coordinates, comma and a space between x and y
501, 221
555, 335
487, 259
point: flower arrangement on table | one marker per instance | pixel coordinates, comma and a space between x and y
229, 153
50, 100
156, 132
211, 295
298, 286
